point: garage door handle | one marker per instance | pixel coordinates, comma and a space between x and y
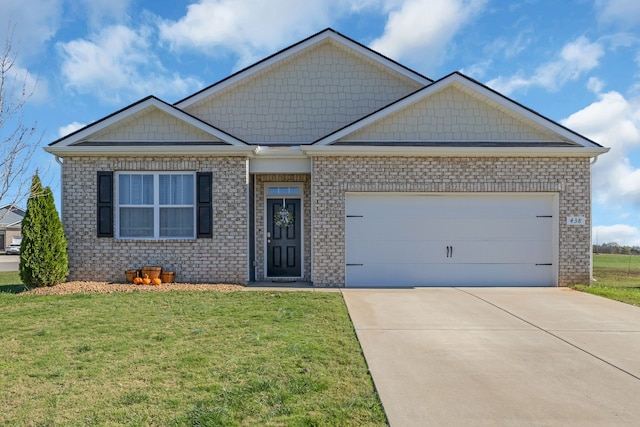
449, 251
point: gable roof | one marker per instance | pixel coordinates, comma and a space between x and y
11, 215
204, 113
476, 89
326, 34
87, 136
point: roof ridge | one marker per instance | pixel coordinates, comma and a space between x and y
282, 52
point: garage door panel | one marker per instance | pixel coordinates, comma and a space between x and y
467, 206
396, 252
415, 275
451, 252
385, 229
505, 252
450, 239
412, 229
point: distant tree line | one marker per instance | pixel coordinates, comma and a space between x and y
614, 248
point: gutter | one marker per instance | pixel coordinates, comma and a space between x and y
158, 150
357, 150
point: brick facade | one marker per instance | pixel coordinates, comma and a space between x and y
222, 258
333, 177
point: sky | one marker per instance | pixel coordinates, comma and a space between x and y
576, 62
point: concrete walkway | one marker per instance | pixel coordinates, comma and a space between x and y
500, 356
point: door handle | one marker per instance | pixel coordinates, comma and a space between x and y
449, 251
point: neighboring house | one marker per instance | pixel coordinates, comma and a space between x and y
328, 162
10, 225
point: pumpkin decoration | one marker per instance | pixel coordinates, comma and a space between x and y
146, 280
137, 280
156, 281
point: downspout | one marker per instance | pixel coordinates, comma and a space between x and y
593, 162
61, 163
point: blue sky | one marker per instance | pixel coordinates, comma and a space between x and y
576, 62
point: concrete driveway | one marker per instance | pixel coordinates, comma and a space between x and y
500, 356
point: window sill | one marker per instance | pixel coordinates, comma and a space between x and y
136, 241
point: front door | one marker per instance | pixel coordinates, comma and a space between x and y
284, 255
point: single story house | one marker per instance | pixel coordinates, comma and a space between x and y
11, 217
331, 163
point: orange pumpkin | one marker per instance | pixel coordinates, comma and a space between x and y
156, 281
146, 280
137, 280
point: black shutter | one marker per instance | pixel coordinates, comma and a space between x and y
204, 205
105, 204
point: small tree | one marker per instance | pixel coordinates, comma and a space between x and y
43, 251
18, 139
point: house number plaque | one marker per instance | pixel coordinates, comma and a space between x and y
576, 220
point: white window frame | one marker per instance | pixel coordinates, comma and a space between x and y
156, 206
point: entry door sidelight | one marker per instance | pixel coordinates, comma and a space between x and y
284, 252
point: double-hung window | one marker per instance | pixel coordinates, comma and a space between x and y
156, 205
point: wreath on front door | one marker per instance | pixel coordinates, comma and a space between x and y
284, 217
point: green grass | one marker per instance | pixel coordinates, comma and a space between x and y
618, 278
625, 263
10, 282
182, 359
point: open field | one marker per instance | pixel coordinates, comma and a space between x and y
182, 359
620, 269
618, 278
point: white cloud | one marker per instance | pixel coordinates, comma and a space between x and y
100, 12
575, 59
30, 24
418, 31
595, 85
22, 83
118, 63
359, 5
477, 70
623, 234
619, 12
612, 121
70, 128
510, 46
248, 28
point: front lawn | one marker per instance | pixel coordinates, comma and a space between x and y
182, 359
10, 282
618, 278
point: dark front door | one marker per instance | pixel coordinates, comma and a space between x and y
283, 238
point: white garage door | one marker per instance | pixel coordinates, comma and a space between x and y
450, 240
